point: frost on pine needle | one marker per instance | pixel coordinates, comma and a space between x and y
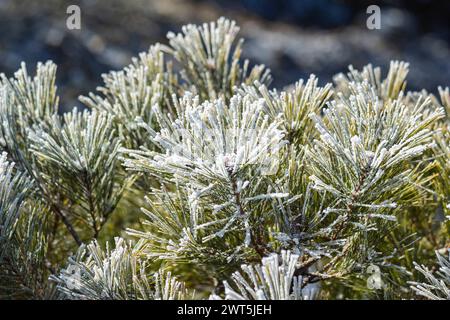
36, 96
436, 285
227, 153
228, 185
209, 56
131, 94
365, 136
273, 279
294, 105
368, 139
442, 150
389, 88
14, 186
77, 160
22, 239
26, 101
118, 273
212, 139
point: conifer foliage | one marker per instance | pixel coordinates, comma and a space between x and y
188, 177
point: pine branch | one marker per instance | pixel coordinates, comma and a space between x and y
209, 56
77, 161
271, 280
23, 272
437, 286
115, 274
304, 190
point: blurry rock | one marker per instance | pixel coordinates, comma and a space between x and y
398, 24
115, 57
54, 36
115, 30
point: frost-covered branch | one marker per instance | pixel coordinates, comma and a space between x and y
274, 279
436, 285
118, 273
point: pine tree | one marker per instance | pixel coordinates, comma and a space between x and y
189, 177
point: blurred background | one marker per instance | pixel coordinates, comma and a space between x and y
292, 37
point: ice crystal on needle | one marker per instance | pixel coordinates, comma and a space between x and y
221, 186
